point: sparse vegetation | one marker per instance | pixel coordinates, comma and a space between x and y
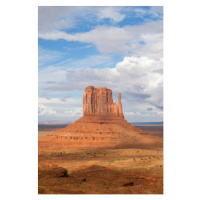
107, 165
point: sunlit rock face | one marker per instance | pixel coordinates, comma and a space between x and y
99, 102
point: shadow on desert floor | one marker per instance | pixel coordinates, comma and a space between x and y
113, 171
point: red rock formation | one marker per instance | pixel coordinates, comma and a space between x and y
120, 106
99, 102
102, 126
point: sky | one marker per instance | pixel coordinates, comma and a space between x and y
120, 48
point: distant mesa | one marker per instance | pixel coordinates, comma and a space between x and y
54, 122
102, 126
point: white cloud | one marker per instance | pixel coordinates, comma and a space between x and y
59, 108
58, 101
83, 47
112, 13
45, 111
48, 75
138, 66
53, 18
46, 56
114, 39
142, 76
76, 112
139, 76
90, 61
153, 47
61, 74
156, 10
139, 116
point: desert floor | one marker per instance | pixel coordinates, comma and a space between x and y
111, 171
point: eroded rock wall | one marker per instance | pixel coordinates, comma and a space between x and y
99, 101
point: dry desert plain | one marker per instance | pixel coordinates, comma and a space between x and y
101, 171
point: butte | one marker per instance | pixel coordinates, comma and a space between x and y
102, 126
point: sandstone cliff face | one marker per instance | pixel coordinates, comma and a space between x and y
99, 102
